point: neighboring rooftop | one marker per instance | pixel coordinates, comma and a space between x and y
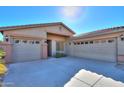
6, 28
100, 32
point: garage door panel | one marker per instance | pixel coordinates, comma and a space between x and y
100, 51
26, 52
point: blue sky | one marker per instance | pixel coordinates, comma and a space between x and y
79, 19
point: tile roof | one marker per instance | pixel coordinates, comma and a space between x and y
99, 32
6, 28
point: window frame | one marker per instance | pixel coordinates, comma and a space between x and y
110, 41
15, 41
82, 42
25, 41
86, 42
91, 42
60, 46
37, 42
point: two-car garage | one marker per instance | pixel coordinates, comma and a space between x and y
26, 50
102, 49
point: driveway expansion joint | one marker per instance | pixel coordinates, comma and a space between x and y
82, 81
97, 81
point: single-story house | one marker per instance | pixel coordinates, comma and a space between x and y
34, 41
37, 41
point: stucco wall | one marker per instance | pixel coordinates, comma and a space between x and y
59, 29
120, 47
56, 37
8, 49
120, 50
101, 51
69, 49
53, 45
31, 32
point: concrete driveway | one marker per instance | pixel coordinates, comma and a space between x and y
56, 72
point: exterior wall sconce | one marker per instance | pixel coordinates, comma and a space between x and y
122, 37
6, 38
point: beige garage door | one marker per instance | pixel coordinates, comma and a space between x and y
26, 50
100, 50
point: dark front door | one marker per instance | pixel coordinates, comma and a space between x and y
49, 48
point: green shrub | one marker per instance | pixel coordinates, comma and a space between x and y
59, 55
2, 53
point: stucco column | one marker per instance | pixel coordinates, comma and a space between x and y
7, 47
53, 47
120, 49
44, 54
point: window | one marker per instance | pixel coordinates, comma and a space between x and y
74, 43
16, 41
37, 42
122, 38
86, 42
110, 41
82, 42
78, 43
32, 42
91, 42
24, 41
59, 46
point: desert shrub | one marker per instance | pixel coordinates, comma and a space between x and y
2, 53
2, 61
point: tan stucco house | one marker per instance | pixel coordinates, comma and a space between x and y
37, 41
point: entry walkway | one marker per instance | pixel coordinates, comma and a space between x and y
89, 79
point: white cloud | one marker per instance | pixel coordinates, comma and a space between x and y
71, 13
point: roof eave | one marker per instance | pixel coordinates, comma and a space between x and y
35, 25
